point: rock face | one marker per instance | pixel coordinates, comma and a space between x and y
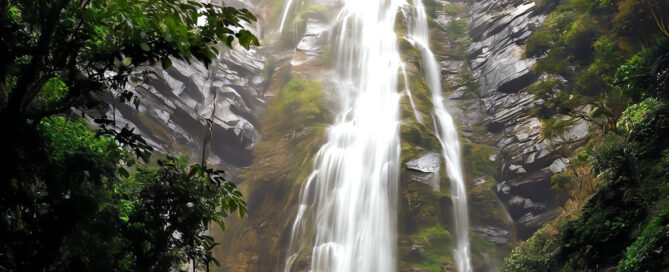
179, 103
426, 169
313, 42
500, 30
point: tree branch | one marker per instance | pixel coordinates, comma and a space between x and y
658, 20
16, 98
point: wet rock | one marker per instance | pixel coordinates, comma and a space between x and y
499, 29
559, 165
426, 170
517, 169
178, 103
313, 42
494, 234
428, 163
525, 204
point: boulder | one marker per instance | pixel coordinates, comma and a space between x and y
426, 170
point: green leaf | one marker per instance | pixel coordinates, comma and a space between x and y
123, 172
145, 47
246, 39
166, 63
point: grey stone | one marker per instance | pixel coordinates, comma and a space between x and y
559, 165
494, 234
428, 163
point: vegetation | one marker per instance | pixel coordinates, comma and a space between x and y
76, 199
606, 63
303, 98
437, 240
458, 33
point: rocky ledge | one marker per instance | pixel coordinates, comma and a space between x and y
527, 162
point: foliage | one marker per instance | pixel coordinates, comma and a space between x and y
646, 253
79, 43
589, 45
165, 211
86, 218
630, 181
537, 253
62, 195
634, 76
458, 33
641, 116
450, 10
603, 62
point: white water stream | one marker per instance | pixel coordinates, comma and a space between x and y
351, 198
448, 136
286, 9
348, 206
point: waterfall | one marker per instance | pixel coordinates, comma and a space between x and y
448, 136
406, 86
289, 4
351, 198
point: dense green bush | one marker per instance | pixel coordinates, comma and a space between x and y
90, 214
647, 252
537, 253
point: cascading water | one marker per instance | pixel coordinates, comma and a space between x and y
347, 210
448, 136
350, 201
286, 9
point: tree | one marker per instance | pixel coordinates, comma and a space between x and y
67, 199
94, 46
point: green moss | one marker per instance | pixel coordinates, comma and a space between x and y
416, 137
422, 98
437, 245
297, 21
293, 128
480, 244
485, 209
477, 158
300, 100
433, 235
431, 7
450, 10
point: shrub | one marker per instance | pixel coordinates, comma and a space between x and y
537, 253
646, 253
